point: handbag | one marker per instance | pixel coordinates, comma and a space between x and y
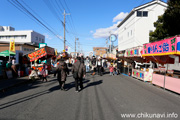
75, 74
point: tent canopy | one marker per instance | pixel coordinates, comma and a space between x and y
7, 53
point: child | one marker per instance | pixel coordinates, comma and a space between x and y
111, 69
33, 74
44, 73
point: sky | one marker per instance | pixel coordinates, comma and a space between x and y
91, 21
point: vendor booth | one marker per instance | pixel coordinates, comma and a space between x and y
40, 56
142, 72
111, 56
5, 66
161, 52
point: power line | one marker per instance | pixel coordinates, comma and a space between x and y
20, 7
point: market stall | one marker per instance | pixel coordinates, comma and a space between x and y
5, 67
161, 52
134, 56
111, 56
40, 56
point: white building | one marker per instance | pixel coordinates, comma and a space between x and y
135, 28
27, 40
29, 36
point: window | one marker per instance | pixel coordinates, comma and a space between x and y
145, 13
24, 49
139, 13
142, 13
36, 38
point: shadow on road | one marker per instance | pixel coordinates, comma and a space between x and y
23, 87
93, 83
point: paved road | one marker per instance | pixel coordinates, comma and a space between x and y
103, 98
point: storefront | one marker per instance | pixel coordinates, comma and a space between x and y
40, 56
161, 52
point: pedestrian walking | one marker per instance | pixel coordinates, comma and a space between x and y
99, 66
119, 66
62, 72
44, 72
93, 63
87, 64
78, 71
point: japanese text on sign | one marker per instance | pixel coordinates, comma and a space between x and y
164, 46
37, 54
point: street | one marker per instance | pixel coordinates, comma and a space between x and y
103, 98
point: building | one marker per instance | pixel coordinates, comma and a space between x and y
25, 41
99, 51
135, 28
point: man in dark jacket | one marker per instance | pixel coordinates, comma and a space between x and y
80, 68
119, 66
93, 63
62, 71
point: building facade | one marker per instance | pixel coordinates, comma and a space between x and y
135, 28
99, 51
25, 41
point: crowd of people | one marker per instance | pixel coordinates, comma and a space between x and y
79, 67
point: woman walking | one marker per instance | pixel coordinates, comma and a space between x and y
62, 71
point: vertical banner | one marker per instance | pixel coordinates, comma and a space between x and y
12, 45
55, 51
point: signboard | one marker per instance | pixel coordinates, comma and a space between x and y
37, 54
12, 45
42, 45
164, 47
137, 51
120, 53
49, 50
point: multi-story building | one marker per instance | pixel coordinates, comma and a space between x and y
99, 51
135, 28
25, 41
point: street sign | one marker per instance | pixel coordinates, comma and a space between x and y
113, 37
42, 45
66, 48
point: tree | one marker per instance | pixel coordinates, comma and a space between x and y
168, 24
171, 17
160, 32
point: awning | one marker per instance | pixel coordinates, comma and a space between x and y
7, 53
134, 54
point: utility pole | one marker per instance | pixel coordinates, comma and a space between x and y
65, 28
75, 45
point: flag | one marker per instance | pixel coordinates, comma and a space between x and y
12, 45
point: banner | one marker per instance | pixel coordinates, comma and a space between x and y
12, 45
163, 47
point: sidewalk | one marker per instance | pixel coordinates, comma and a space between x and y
6, 84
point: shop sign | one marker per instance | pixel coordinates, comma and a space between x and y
163, 47
50, 51
37, 54
134, 52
